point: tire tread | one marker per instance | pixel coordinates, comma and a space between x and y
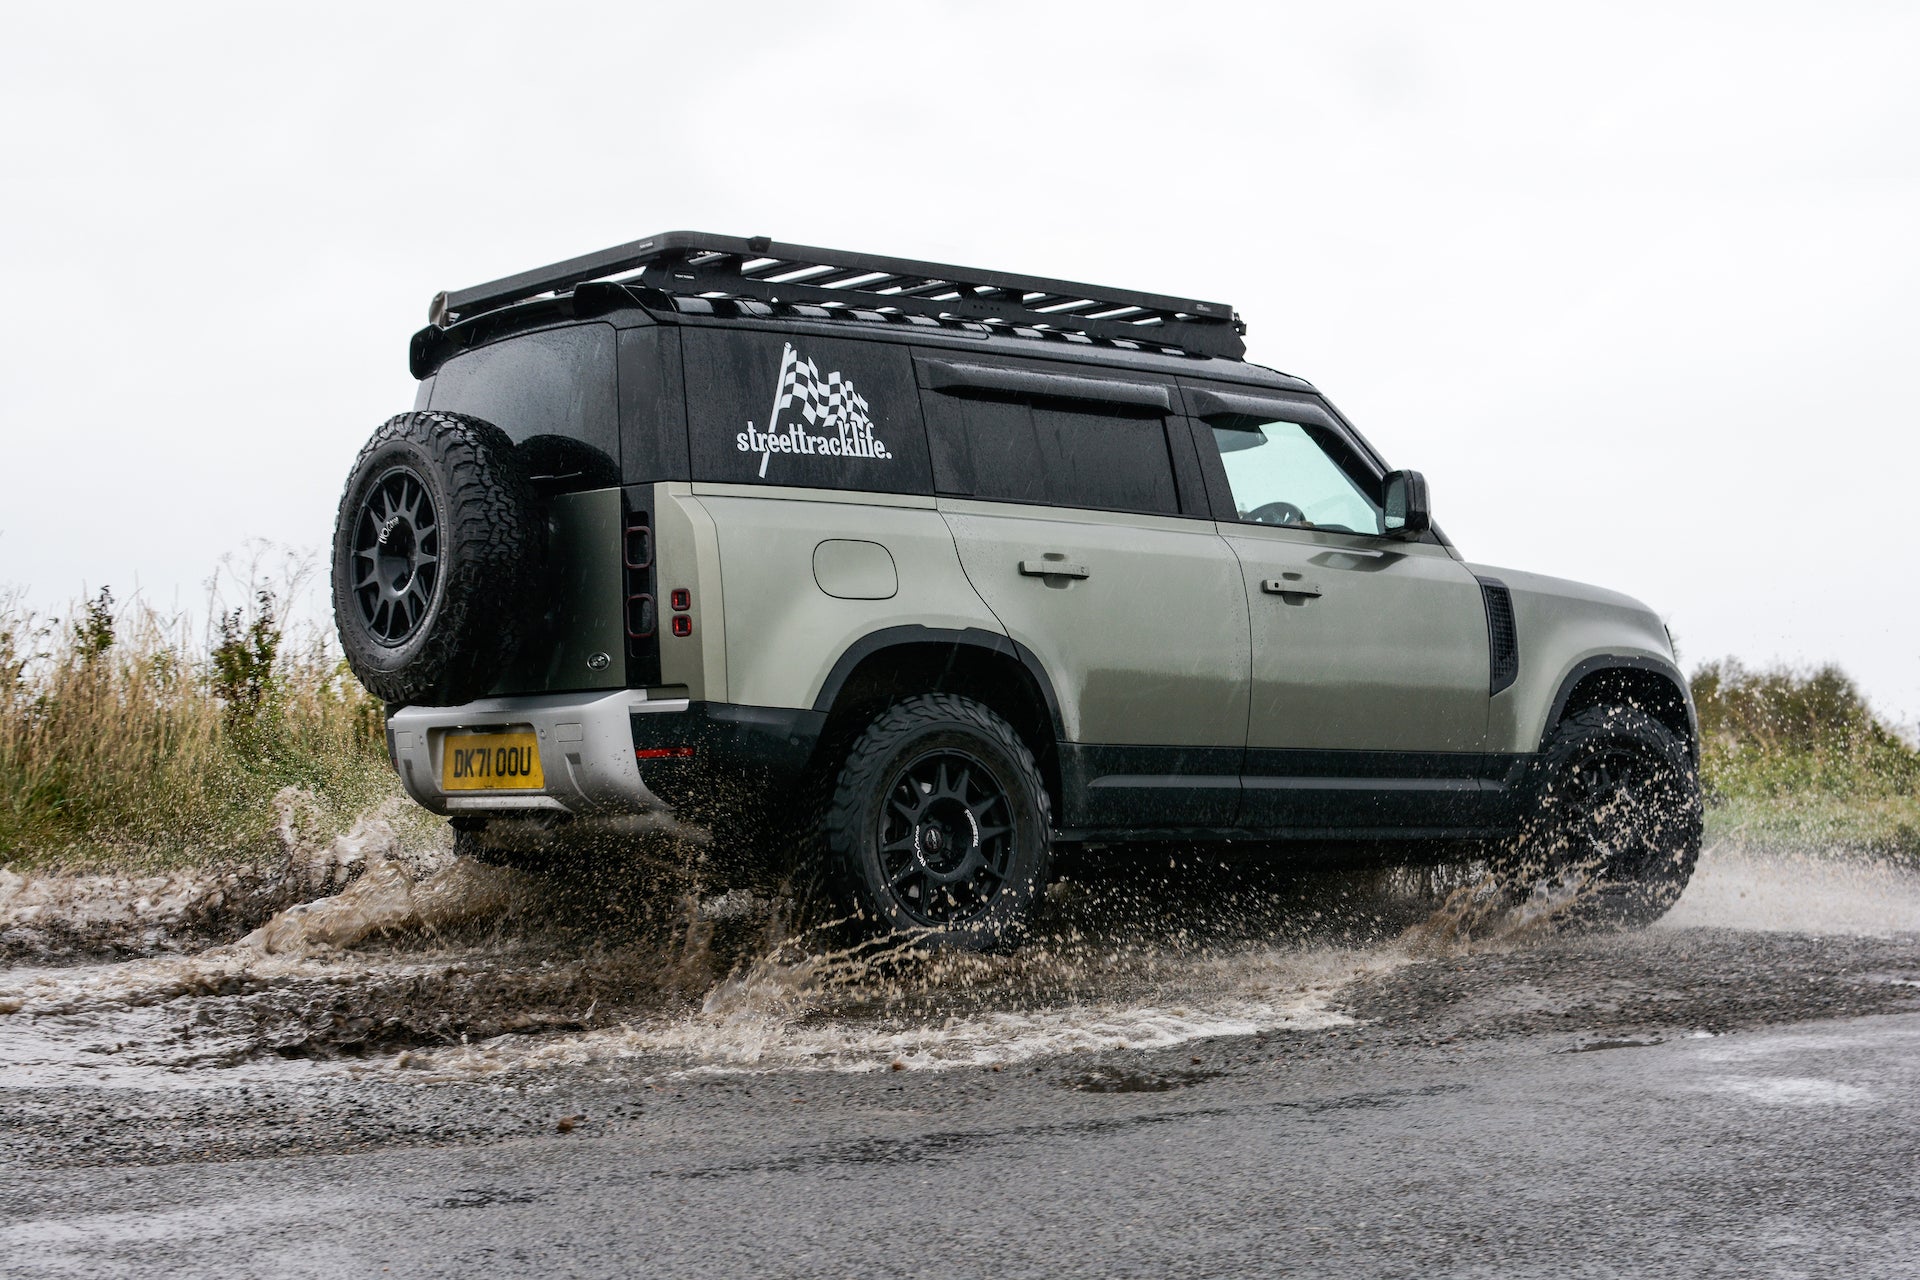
491, 551
838, 823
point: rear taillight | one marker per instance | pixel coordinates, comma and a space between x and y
637, 556
639, 544
641, 622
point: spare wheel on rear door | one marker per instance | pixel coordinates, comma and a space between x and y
437, 552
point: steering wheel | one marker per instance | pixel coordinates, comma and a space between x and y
1276, 513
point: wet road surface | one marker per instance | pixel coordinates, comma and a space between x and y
1729, 1093
1782, 1153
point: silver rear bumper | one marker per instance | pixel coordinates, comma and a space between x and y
586, 751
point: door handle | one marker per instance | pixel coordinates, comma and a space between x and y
1053, 569
1288, 587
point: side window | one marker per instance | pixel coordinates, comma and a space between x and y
552, 391
1050, 452
794, 409
1282, 474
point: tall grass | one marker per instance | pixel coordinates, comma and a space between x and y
1798, 758
129, 736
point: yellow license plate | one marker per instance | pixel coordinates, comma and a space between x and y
490, 762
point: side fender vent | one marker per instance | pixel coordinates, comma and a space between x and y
1503, 641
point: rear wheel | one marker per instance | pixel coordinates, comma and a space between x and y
938, 825
1619, 825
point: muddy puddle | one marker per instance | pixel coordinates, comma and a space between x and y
405, 964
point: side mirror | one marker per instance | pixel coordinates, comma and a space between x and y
1408, 512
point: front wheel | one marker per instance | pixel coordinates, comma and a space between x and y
1618, 829
938, 825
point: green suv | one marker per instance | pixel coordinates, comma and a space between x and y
954, 568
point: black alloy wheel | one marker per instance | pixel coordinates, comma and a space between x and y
946, 837
396, 556
439, 553
1613, 806
1620, 816
938, 826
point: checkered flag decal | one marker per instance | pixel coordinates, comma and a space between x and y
826, 417
823, 401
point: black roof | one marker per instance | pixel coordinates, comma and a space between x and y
692, 264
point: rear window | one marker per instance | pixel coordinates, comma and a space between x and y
553, 392
805, 411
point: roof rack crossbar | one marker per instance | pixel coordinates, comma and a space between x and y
998, 316
693, 263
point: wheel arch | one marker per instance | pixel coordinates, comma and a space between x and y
1650, 684
898, 662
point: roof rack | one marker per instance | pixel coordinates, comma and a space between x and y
696, 263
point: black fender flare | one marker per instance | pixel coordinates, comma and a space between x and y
971, 637
1619, 662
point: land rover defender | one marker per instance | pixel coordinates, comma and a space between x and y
961, 566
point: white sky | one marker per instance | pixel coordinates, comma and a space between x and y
1637, 287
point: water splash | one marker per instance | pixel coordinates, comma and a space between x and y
51, 915
414, 965
386, 899
852, 1012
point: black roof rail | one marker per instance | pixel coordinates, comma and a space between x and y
696, 263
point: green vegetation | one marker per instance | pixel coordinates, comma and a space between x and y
126, 741
1797, 759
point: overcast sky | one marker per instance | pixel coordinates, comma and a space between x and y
1637, 287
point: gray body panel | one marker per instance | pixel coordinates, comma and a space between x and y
688, 545
1362, 709
784, 631
1562, 628
1150, 647
1391, 655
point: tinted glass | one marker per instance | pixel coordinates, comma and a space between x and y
653, 411
1280, 475
794, 409
552, 392
1050, 453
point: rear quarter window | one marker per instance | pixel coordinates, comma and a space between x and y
803, 411
552, 392
1049, 451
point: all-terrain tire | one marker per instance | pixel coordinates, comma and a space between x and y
469, 599
966, 775
1619, 822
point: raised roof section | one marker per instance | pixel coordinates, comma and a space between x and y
696, 264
